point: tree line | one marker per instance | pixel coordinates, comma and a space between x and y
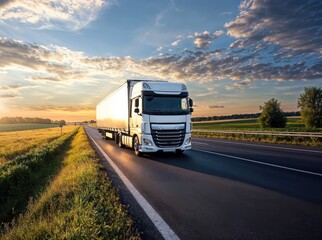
16, 120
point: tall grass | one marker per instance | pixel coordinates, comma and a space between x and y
27, 174
13, 144
80, 203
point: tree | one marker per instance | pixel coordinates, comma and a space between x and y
62, 122
310, 103
272, 115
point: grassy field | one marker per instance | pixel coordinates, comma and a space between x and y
293, 125
27, 174
13, 144
247, 124
24, 126
78, 203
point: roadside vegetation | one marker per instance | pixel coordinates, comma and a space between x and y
13, 144
292, 125
310, 103
272, 115
27, 174
273, 119
79, 203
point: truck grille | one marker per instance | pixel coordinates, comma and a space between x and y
168, 138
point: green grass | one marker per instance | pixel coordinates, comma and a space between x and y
13, 144
293, 124
227, 125
80, 203
25, 176
24, 126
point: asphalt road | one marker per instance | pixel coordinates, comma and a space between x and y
230, 190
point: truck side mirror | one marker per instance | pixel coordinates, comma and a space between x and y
190, 105
190, 102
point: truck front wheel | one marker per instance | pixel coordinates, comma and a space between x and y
121, 145
136, 146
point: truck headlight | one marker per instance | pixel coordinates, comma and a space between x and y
147, 142
188, 141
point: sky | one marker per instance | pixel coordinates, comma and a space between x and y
58, 58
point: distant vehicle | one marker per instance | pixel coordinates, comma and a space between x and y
148, 116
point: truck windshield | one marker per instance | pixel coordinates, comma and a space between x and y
165, 105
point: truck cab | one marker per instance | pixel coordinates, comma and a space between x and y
159, 119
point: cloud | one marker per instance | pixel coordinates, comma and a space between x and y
58, 64
292, 27
206, 94
53, 14
159, 20
51, 63
8, 96
12, 87
175, 43
4, 2
203, 40
216, 106
56, 108
239, 85
11, 91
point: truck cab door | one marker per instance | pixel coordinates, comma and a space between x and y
136, 109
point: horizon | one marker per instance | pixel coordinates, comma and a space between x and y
59, 59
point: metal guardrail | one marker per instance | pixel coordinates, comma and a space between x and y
290, 134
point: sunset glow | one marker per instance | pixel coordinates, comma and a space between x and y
60, 58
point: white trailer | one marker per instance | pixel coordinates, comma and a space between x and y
148, 116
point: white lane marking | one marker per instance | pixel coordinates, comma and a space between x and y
259, 145
262, 163
157, 220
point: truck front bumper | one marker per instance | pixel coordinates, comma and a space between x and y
147, 144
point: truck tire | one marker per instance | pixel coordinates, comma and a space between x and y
121, 145
136, 146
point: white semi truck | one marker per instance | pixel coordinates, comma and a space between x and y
147, 116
